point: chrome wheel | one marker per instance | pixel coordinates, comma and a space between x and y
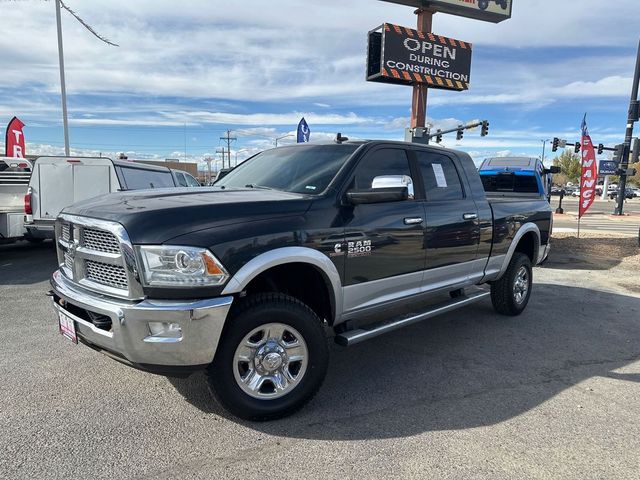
270, 361
521, 285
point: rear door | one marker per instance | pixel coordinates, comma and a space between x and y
383, 242
452, 234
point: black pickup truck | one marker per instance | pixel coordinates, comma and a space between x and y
247, 278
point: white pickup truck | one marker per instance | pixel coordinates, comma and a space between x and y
58, 182
14, 181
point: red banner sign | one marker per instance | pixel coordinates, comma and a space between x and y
589, 176
14, 144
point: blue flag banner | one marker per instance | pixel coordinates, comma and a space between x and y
303, 131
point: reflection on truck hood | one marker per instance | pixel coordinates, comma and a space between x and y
154, 216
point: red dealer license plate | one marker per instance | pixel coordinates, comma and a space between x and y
67, 327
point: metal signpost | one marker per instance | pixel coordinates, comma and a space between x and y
419, 58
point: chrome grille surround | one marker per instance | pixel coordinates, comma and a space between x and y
97, 255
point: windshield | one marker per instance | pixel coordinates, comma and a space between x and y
301, 169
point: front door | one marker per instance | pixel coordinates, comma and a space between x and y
384, 242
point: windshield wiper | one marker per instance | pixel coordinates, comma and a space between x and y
262, 187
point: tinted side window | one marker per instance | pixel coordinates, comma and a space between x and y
136, 178
192, 182
386, 161
181, 180
441, 180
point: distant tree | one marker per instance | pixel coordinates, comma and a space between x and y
569, 164
560, 179
635, 180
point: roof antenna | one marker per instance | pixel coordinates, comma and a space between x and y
340, 138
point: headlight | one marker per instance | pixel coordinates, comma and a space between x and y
174, 266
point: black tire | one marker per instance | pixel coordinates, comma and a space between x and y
483, 4
503, 296
503, 4
247, 315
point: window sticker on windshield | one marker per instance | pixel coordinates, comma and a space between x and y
441, 181
310, 187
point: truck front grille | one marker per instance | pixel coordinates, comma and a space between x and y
105, 274
100, 241
91, 254
65, 229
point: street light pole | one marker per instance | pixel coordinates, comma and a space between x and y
63, 88
544, 144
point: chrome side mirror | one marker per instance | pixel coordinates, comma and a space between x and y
393, 181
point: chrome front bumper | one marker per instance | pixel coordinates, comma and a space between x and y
129, 338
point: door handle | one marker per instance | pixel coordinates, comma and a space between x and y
412, 220
470, 216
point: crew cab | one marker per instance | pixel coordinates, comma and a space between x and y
246, 278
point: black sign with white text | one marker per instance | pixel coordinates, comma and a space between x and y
405, 56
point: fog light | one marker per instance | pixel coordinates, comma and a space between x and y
165, 329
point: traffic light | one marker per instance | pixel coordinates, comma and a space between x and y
438, 136
618, 154
485, 128
556, 141
460, 134
600, 148
576, 148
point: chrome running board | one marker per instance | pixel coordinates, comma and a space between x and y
351, 337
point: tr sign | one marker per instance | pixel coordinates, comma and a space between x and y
14, 140
494, 11
405, 56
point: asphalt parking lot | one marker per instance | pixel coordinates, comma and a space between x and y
550, 394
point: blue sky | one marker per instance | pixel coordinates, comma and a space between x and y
185, 73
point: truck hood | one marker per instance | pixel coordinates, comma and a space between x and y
155, 216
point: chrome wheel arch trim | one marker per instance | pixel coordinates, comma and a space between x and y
524, 229
283, 256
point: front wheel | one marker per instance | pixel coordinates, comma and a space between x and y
510, 295
272, 358
483, 4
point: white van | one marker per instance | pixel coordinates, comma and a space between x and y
14, 181
58, 182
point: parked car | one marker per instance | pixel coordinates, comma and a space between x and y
58, 182
241, 279
517, 175
14, 183
184, 179
628, 193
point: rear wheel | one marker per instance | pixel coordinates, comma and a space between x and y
483, 4
510, 295
271, 360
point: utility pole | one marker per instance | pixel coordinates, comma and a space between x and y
63, 88
221, 150
634, 111
208, 160
229, 139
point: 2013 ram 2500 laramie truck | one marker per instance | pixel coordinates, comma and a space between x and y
246, 278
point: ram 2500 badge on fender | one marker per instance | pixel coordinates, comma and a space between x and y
245, 279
